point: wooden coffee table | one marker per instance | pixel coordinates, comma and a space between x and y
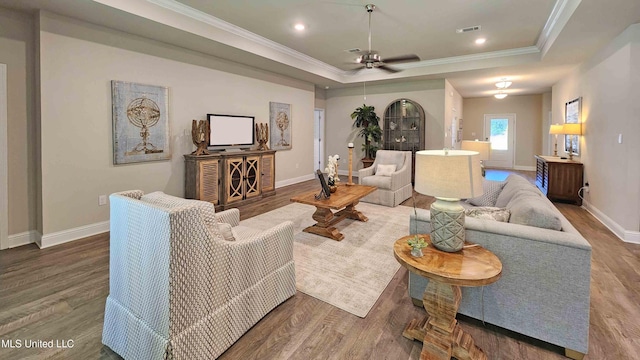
439, 331
345, 198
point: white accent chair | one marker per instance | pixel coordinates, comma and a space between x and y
393, 188
177, 288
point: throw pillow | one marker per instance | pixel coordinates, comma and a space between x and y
226, 230
489, 213
534, 211
385, 170
491, 191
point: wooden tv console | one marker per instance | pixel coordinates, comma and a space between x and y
228, 179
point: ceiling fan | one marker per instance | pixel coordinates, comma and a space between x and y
371, 59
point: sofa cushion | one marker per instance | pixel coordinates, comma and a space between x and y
385, 170
381, 182
491, 190
534, 211
489, 213
514, 184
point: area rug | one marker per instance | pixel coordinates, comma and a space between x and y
350, 274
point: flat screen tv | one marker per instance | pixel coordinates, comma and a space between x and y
231, 131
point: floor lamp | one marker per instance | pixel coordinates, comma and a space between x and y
448, 175
556, 130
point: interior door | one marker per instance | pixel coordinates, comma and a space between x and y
499, 129
4, 200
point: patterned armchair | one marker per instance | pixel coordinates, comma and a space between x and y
394, 185
178, 288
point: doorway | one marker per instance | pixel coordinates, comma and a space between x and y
4, 202
499, 129
318, 140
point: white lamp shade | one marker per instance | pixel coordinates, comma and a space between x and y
455, 174
482, 147
555, 129
572, 129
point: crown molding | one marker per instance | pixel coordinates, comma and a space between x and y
560, 14
472, 57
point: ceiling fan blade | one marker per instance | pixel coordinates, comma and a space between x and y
388, 69
401, 59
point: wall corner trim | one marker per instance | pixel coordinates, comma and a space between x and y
64, 236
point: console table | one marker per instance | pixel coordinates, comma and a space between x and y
559, 179
439, 331
227, 179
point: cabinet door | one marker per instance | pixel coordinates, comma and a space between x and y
268, 172
208, 181
252, 176
235, 174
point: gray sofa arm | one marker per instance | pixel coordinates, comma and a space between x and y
544, 291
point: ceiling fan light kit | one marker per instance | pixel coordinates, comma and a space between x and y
371, 59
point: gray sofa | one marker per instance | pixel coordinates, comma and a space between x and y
544, 289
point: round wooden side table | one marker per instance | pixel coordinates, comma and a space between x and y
439, 331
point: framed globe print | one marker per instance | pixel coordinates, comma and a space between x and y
140, 123
280, 126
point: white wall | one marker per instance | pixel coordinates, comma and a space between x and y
16, 51
529, 120
77, 159
342, 102
453, 109
608, 84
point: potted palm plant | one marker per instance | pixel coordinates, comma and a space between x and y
365, 118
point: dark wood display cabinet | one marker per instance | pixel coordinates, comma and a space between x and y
559, 179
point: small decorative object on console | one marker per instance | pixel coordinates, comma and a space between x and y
417, 243
332, 170
200, 137
262, 136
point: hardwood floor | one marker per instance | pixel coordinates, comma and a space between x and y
59, 294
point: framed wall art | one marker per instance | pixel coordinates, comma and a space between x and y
280, 125
140, 123
572, 115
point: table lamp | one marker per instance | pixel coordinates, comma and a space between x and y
571, 130
482, 147
448, 175
556, 130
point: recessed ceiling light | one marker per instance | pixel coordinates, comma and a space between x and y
299, 26
480, 41
326, 87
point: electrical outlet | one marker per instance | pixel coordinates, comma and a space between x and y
297, 166
102, 200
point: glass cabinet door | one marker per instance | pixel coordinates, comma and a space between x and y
403, 127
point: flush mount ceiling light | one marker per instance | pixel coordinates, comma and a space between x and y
503, 83
480, 41
299, 26
500, 95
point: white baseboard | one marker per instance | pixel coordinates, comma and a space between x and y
64, 236
624, 235
524, 168
23, 238
299, 179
